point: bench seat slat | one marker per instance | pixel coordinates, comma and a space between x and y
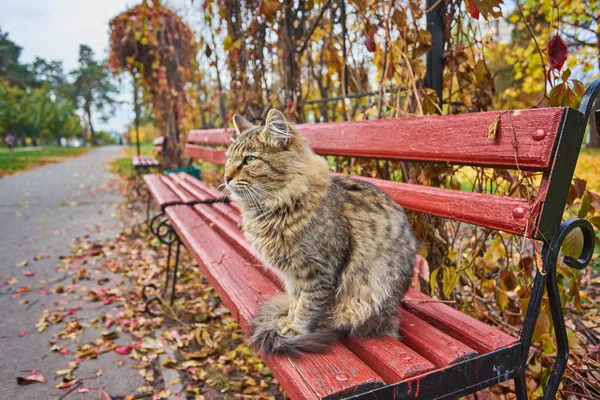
474, 333
161, 193
392, 360
179, 190
505, 213
436, 346
243, 288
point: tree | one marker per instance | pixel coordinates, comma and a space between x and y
93, 88
154, 45
10, 67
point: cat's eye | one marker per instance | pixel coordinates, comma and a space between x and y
249, 159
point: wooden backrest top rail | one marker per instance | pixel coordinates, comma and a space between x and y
458, 139
524, 139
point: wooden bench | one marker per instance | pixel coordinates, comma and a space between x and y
144, 163
444, 353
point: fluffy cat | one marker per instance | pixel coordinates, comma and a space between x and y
344, 249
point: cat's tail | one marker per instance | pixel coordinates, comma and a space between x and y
266, 335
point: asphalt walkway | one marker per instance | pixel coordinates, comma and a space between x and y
41, 212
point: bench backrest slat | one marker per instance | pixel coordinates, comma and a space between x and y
522, 139
456, 139
505, 213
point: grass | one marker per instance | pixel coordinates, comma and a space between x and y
29, 157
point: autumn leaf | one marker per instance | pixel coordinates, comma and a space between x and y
33, 377
493, 129
473, 9
557, 52
123, 350
102, 395
558, 95
370, 44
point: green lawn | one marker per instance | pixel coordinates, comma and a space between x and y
29, 157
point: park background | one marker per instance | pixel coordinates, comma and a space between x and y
323, 61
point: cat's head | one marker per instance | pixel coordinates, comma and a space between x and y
269, 164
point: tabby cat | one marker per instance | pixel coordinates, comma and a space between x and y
344, 249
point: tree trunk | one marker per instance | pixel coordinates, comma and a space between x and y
136, 109
172, 149
58, 143
88, 112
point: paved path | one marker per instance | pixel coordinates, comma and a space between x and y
41, 211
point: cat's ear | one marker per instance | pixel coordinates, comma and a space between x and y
277, 128
241, 125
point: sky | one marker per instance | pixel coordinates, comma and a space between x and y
54, 29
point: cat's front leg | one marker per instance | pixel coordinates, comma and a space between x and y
310, 308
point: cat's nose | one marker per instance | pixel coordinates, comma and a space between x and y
228, 178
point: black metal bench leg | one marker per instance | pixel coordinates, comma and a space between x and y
562, 342
521, 386
167, 235
167, 269
175, 268
148, 206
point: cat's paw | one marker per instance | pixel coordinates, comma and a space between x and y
286, 327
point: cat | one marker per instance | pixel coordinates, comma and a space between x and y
344, 249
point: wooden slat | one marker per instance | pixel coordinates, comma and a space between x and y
392, 360
161, 193
477, 335
242, 289
442, 350
214, 156
459, 139
180, 191
505, 213
210, 137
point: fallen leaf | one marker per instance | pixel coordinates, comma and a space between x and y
22, 333
123, 350
34, 377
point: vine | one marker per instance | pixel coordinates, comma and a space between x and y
154, 44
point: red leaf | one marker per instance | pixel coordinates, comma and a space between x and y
28, 274
64, 351
123, 350
22, 333
34, 377
473, 9
557, 52
102, 395
370, 44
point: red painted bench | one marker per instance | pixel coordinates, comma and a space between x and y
444, 353
145, 163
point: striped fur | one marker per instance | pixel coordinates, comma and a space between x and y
344, 248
